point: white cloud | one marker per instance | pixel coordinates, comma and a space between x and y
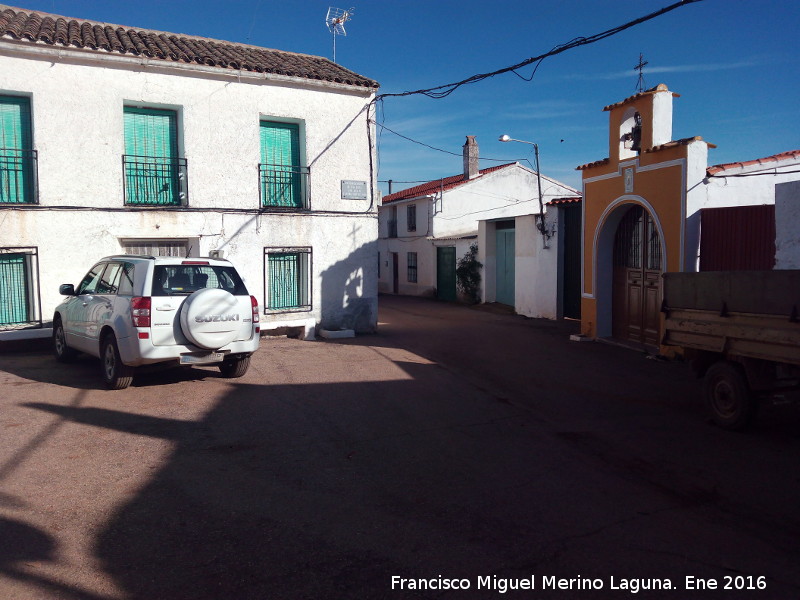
695, 68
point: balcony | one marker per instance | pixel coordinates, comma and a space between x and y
154, 180
283, 187
18, 176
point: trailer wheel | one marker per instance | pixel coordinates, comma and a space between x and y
728, 397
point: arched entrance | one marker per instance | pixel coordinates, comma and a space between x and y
636, 286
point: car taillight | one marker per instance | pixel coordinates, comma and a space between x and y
140, 311
254, 304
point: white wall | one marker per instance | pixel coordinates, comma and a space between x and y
77, 114
787, 225
748, 185
454, 216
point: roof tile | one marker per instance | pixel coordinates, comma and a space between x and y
444, 184
758, 161
37, 27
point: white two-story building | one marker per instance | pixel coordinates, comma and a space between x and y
120, 140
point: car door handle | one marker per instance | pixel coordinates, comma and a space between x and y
164, 307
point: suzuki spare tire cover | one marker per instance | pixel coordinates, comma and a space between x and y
211, 318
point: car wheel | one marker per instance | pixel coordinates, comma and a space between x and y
62, 352
236, 367
728, 396
117, 375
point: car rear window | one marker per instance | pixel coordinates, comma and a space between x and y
169, 280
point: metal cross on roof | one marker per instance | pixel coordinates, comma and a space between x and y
640, 67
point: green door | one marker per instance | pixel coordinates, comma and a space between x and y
16, 167
281, 183
505, 266
446, 273
151, 153
13, 289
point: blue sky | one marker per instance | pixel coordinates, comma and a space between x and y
733, 62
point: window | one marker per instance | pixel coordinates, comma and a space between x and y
411, 217
154, 175
287, 279
19, 287
156, 247
412, 267
17, 156
283, 181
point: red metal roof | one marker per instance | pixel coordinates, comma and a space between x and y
437, 185
758, 161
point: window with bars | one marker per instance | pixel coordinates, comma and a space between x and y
17, 156
287, 279
18, 287
156, 247
412, 267
283, 181
154, 174
411, 217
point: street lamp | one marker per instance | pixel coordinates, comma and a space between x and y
542, 227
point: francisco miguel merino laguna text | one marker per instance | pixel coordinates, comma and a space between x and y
546, 582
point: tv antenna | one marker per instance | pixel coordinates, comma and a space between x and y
335, 20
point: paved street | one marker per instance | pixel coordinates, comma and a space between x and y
457, 446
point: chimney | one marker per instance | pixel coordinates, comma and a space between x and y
470, 152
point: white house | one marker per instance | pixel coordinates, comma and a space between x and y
426, 229
122, 140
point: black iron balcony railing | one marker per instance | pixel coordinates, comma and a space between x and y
154, 180
18, 176
392, 228
283, 186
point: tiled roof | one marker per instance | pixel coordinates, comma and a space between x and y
680, 142
672, 144
659, 88
759, 161
562, 201
596, 163
54, 30
447, 183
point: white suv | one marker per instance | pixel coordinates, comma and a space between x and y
137, 310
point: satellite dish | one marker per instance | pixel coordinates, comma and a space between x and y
335, 20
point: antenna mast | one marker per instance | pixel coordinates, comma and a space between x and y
335, 20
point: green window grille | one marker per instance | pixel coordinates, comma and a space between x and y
287, 280
16, 154
282, 177
14, 289
153, 171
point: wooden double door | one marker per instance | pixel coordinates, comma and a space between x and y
636, 294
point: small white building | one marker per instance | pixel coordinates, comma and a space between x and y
426, 229
120, 140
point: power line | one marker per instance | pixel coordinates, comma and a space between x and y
443, 91
502, 160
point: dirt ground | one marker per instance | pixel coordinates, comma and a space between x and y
456, 443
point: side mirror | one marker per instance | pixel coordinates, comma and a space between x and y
66, 289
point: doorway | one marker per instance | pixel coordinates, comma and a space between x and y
446, 273
636, 286
505, 240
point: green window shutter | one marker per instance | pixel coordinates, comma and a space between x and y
151, 132
286, 280
151, 163
281, 183
16, 165
13, 289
